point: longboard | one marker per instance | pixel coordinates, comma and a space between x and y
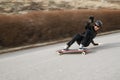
60, 52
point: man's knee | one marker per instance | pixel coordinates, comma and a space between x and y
85, 44
77, 36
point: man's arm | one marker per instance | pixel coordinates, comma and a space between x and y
95, 44
89, 22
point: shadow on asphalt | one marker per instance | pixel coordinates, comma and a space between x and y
104, 46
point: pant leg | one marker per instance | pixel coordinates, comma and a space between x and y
76, 38
85, 44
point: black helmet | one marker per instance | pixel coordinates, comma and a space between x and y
98, 23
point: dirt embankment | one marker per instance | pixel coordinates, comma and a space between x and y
38, 27
22, 7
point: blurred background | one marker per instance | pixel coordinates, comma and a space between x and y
26, 22
24, 6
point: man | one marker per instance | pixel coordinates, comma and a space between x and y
87, 37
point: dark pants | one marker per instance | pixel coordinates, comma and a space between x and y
78, 38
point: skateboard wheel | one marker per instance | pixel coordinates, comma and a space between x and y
84, 53
59, 53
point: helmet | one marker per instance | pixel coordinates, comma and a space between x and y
98, 23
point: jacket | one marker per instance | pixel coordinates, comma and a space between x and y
88, 36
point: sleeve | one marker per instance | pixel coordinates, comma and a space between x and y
89, 22
95, 44
87, 25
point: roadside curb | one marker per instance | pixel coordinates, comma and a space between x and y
109, 32
47, 43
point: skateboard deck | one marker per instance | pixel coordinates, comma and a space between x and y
60, 52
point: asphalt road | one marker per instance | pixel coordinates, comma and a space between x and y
43, 63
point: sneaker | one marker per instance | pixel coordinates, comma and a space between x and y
80, 49
66, 47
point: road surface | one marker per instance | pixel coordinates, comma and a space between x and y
42, 63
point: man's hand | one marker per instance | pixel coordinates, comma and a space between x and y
95, 44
